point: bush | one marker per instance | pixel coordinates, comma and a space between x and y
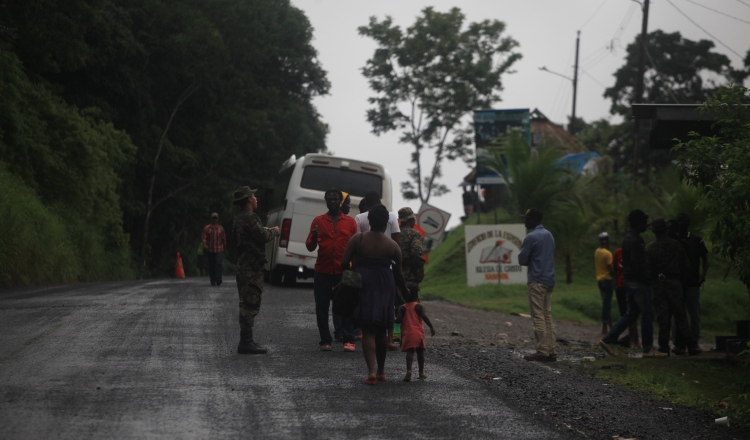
35, 243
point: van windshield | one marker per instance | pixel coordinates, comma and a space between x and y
353, 182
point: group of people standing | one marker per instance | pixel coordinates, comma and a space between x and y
659, 281
380, 246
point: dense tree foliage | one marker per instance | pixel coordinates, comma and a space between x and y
179, 102
678, 71
718, 166
427, 79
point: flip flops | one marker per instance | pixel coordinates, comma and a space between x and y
422, 376
369, 381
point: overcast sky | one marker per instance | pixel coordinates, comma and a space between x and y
546, 32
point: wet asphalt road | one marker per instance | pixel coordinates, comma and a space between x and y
156, 359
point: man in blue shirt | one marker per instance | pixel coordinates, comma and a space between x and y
537, 252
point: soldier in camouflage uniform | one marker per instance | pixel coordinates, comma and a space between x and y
411, 247
667, 261
251, 239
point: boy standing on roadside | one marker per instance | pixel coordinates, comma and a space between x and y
603, 266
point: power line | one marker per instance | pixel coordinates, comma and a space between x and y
744, 3
718, 12
656, 72
699, 27
592, 15
625, 20
596, 52
594, 79
597, 60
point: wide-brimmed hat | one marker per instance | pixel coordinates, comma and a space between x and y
242, 193
405, 214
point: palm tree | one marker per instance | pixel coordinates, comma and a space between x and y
539, 180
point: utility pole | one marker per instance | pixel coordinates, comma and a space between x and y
639, 87
572, 128
574, 80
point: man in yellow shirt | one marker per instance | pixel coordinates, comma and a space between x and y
604, 272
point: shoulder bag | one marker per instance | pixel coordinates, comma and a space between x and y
346, 294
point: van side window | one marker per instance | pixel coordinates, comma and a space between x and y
280, 187
354, 182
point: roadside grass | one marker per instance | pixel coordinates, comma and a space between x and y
723, 302
697, 383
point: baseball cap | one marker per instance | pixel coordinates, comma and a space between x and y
603, 236
214, 215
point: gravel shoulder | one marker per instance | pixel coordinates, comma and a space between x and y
488, 347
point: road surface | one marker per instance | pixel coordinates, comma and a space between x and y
156, 359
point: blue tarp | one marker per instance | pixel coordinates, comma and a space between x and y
577, 161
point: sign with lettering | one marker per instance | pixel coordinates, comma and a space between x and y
492, 254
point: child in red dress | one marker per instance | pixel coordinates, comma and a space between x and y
412, 317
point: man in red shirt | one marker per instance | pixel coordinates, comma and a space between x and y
330, 233
214, 241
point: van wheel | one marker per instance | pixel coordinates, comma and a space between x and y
290, 277
276, 276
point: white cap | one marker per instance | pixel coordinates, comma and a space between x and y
603, 236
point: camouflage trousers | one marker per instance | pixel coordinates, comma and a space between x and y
250, 289
669, 302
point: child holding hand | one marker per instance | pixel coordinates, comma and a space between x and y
412, 317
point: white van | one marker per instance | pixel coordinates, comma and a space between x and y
297, 198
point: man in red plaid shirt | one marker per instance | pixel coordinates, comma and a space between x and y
214, 241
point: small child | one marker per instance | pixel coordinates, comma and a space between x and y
412, 317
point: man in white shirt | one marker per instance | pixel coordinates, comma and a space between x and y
372, 199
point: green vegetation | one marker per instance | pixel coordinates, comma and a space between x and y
717, 166
704, 384
123, 125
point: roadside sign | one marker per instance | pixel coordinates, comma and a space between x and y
492, 254
433, 222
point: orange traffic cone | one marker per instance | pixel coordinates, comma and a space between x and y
179, 272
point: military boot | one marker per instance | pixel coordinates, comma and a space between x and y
247, 346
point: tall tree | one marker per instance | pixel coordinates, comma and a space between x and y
427, 79
678, 71
213, 94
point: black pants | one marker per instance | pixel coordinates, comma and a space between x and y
323, 290
214, 266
